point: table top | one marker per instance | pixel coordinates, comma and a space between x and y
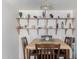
53, 41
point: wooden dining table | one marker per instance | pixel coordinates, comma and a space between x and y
63, 46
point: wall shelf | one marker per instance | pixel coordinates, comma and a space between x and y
46, 23
21, 27
45, 18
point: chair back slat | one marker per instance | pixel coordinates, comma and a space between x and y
47, 51
47, 54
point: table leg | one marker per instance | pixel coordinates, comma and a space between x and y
67, 54
27, 53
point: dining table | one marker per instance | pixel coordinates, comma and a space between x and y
63, 46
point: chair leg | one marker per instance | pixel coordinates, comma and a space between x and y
34, 57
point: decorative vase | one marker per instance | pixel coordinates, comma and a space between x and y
28, 16
43, 14
57, 26
69, 25
20, 14
68, 15
62, 25
51, 15
58, 17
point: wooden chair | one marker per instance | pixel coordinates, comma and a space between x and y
47, 51
24, 44
69, 40
44, 37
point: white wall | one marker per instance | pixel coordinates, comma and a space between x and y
10, 45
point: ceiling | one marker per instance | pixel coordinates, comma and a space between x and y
35, 4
